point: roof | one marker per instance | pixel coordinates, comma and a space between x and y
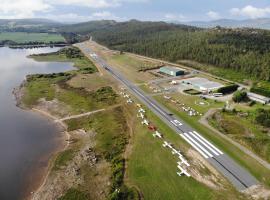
257, 96
204, 83
174, 69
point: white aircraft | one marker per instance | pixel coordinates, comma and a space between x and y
183, 161
145, 122
165, 144
182, 171
157, 134
129, 101
141, 110
174, 151
140, 115
126, 96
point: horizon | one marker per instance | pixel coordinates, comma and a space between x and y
127, 20
143, 10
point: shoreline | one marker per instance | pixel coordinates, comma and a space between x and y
35, 187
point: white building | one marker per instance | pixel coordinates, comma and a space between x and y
258, 98
203, 84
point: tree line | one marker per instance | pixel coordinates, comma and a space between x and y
242, 50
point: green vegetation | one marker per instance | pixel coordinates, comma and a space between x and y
63, 158
54, 86
240, 96
228, 89
245, 128
78, 99
41, 86
262, 88
69, 54
74, 194
30, 38
111, 140
262, 117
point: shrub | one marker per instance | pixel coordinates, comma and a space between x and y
240, 96
263, 117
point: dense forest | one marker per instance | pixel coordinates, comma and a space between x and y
243, 50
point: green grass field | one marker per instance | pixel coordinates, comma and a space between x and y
21, 37
244, 131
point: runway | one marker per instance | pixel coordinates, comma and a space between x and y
238, 176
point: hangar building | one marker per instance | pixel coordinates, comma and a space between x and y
172, 71
203, 84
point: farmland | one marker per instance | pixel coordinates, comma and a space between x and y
25, 38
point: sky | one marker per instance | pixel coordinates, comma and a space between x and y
122, 10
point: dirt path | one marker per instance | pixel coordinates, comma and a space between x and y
204, 122
78, 116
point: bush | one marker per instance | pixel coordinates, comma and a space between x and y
240, 96
228, 89
263, 117
261, 91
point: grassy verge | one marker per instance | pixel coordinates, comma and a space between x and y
243, 130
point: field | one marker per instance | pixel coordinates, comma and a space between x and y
22, 38
244, 130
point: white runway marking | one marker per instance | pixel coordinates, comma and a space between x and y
195, 147
198, 145
208, 142
204, 143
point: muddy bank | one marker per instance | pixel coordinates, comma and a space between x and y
39, 173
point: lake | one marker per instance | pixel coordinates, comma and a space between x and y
27, 140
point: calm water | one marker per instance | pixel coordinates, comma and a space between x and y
26, 139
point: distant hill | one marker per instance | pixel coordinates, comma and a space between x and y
263, 23
86, 27
28, 25
11, 23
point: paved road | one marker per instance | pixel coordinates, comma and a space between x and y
238, 176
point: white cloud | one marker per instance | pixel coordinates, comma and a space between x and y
175, 17
251, 12
22, 8
94, 3
74, 17
213, 14
34, 8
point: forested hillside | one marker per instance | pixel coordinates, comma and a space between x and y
243, 50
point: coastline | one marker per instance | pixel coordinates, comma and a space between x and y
39, 182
